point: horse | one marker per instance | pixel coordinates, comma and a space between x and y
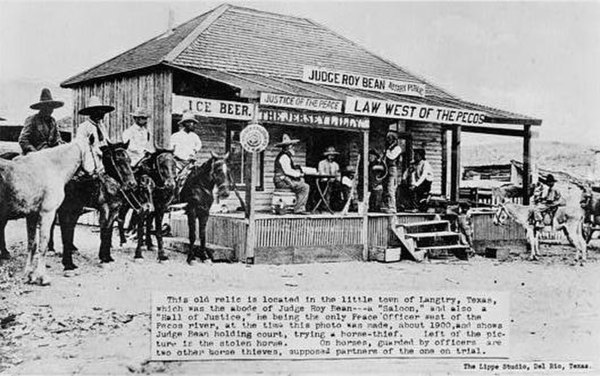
197, 193
160, 168
590, 203
106, 193
567, 218
33, 186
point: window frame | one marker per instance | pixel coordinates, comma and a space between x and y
261, 158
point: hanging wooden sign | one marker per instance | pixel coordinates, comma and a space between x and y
213, 108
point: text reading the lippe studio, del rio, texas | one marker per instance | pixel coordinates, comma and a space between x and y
188, 326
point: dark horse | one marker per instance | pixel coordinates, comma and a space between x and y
104, 193
160, 168
197, 192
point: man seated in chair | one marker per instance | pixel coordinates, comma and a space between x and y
290, 176
422, 178
546, 203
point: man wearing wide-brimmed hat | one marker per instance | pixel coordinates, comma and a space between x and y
138, 136
393, 155
548, 202
330, 167
288, 175
185, 142
94, 125
40, 130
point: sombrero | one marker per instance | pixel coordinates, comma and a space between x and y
330, 151
95, 104
188, 116
46, 101
286, 140
140, 112
550, 179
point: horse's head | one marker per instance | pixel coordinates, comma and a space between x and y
165, 168
117, 164
219, 174
586, 198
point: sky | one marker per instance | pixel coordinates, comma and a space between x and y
536, 58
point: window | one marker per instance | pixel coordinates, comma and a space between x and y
237, 159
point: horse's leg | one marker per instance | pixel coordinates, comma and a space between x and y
105, 234
158, 219
51, 239
140, 236
191, 217
531, 237
4, 255
39, 274
202, 220
121, 223
148, 223
32, 221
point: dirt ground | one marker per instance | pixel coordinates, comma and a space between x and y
98, 322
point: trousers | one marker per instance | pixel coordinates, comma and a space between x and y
300, 189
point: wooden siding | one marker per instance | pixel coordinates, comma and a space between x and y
151, 91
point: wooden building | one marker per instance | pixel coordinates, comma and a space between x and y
292, 76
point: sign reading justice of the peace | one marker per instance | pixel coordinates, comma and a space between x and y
312, 119
213, 108
325, 76
254, 138
412, 111
305, 103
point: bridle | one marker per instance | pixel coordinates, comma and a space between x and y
110, 158
498, 215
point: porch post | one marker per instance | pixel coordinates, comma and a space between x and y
444, 182
455, 163
526, 162
365, 195
250, 180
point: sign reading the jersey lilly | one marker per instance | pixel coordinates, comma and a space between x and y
325, 76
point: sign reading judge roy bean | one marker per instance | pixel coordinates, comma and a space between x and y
213, 108
412, 111
323, 76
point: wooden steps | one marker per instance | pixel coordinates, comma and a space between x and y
430, 239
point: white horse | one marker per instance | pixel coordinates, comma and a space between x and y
567, 218
32, 186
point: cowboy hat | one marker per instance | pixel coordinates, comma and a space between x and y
94, 104
550, 179
2, 119
46, 101
140, 112
188, 116
330, 151
286, 140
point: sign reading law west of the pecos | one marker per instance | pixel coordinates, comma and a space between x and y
412, 111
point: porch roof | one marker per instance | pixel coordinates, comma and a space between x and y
252, 84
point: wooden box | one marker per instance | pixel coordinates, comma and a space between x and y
383, 254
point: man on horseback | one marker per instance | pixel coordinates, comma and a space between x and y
94, 126
138, 136
40, 130
546, 203
186, 144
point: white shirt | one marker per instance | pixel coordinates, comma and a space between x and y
139, 142
393, 153
186, 144
423, 171
85, 130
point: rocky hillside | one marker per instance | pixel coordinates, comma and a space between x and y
571, 158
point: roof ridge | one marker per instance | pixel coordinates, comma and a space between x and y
273, 14
418, 77
213, 15
130, 49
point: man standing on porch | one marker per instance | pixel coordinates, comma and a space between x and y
288, 175
393, 153
138, 136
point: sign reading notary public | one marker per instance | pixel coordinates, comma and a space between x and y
304, 103
412, 111
213, 108
349, 80
282, 116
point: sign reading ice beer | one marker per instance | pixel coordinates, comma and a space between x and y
349, 80
304, 103
412, 111
212, 108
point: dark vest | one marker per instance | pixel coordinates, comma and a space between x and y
279, 174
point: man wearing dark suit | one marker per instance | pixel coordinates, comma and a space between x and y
40, 130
